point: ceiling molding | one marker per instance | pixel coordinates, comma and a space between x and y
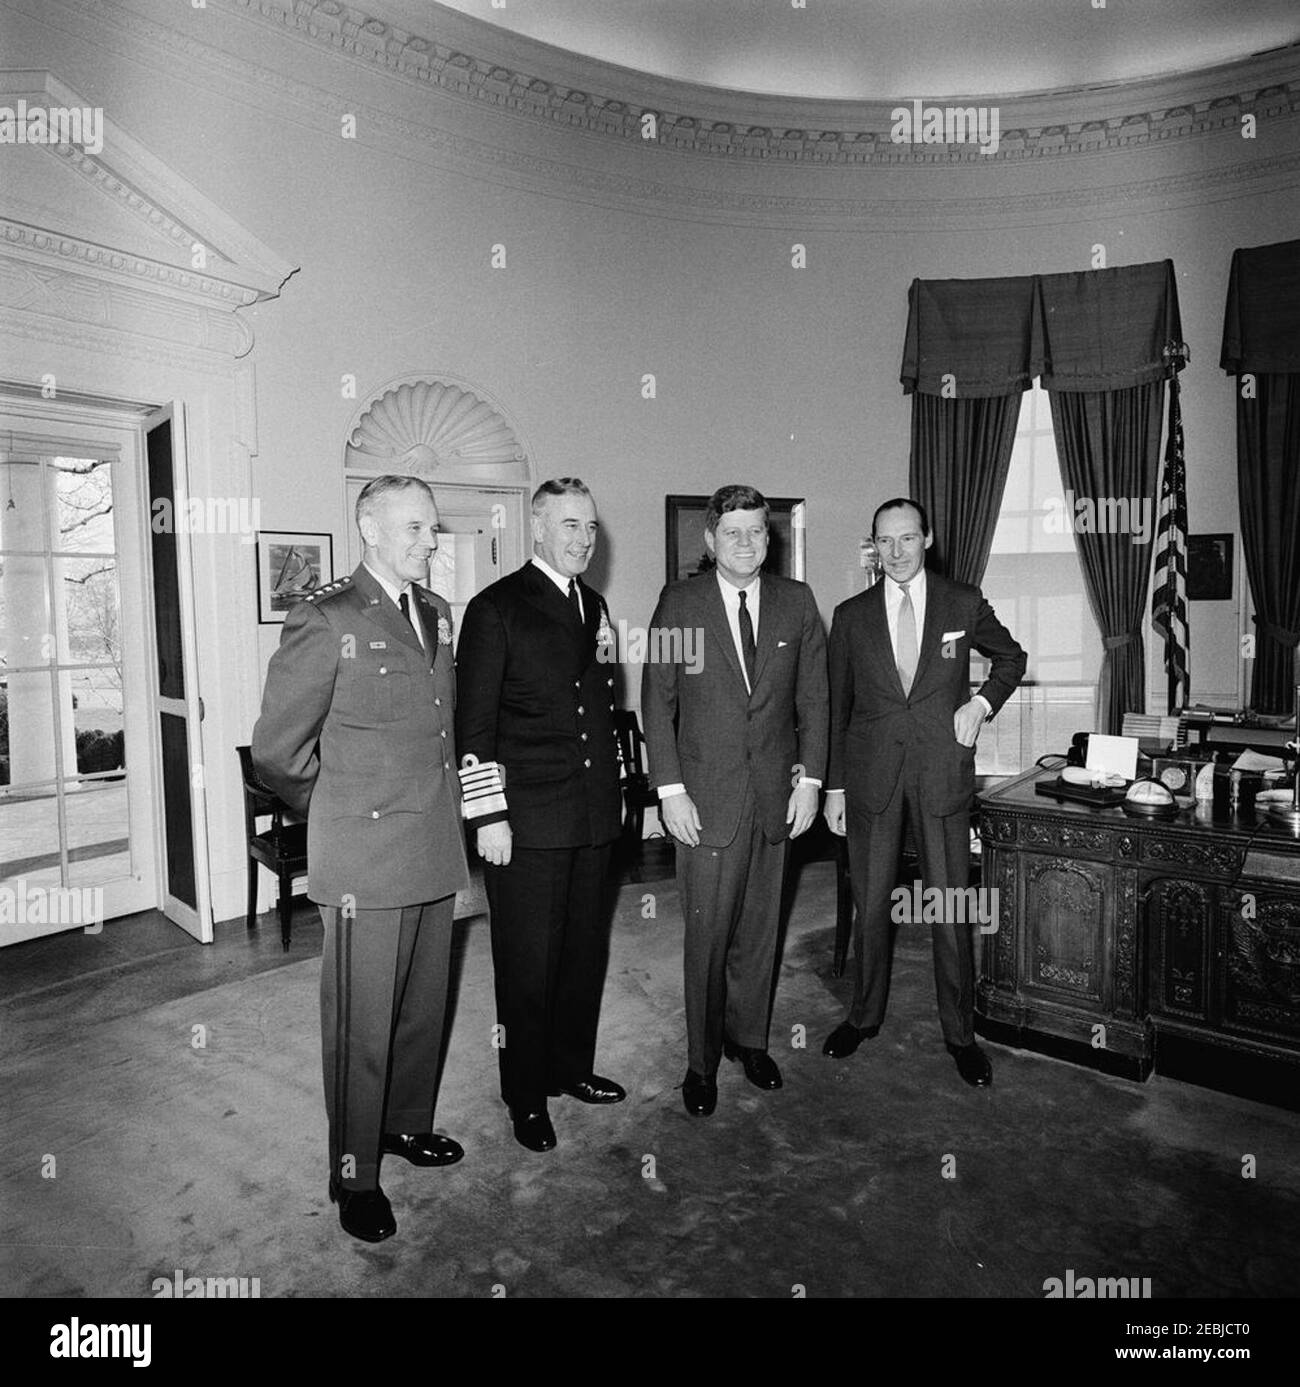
506, 70
670, 181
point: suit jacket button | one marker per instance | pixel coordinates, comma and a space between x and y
577, 684
374, 813
587, 762
443, 733
437, 702
581, 710
383, 669
584, 736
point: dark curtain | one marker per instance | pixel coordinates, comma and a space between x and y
1261, 347
961, 450
973, 346
1108, 444
1268, 492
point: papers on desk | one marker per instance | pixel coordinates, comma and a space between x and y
1253, 761
1114, 755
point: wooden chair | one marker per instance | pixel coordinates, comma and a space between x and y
282, 848
637, 793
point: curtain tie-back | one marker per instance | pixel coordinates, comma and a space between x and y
1115, 642
1277, 633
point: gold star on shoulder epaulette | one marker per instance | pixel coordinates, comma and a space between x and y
338, 585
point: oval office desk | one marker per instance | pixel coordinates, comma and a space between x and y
1135, 944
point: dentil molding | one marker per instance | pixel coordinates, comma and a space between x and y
717, 124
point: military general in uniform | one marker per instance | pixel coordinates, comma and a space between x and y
536, 712
356, 734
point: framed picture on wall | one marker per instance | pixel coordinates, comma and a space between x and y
685, 553
1209, 567
289, 566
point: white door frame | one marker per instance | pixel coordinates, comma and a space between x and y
50, 428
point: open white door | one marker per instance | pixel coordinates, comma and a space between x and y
177, 707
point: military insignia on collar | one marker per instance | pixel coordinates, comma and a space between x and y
444, 631
338, 585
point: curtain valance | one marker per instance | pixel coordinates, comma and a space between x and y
1092, 330
1261, 322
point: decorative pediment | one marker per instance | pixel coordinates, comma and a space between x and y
96, 228
440, 429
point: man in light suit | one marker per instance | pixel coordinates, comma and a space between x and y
903, 731
356, 735
736, 740
537, 701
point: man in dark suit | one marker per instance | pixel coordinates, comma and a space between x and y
903, 730
538, 702
355, 734
736, 738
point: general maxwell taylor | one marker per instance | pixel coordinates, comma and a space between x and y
356, 734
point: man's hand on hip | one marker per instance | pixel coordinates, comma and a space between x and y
834, 812
681, 819
967, 721
802, 809
494, 844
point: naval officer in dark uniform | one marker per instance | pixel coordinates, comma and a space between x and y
537, 701
356, 734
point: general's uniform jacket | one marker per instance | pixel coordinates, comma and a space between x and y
357, 734
705, 730
875, 725
536, 697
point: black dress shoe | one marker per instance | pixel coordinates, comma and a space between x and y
593, 1090
533, 1129
972, 1064
366, 1214
845, 1038
424, 1148
699, 1093
760, 1067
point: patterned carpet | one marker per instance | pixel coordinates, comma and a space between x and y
131, 1151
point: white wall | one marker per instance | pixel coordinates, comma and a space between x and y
781, 377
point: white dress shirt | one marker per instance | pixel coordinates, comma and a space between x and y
561, 582
395, 593
731, 604
894, 604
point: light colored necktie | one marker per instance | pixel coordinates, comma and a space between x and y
907, 653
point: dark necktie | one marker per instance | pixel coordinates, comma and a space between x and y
404, 602
574, 601
747, 646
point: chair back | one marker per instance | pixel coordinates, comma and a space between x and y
259, 798
631, 745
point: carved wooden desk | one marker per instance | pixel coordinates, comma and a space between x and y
1131, 943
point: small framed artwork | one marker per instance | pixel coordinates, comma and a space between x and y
1209, 568
686, 554
289, 566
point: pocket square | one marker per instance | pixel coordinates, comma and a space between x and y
779, 644
953, 636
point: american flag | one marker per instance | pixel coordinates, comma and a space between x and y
1169, 600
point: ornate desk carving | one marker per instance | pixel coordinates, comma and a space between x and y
1130, 944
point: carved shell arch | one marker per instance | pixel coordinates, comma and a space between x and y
441, 429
